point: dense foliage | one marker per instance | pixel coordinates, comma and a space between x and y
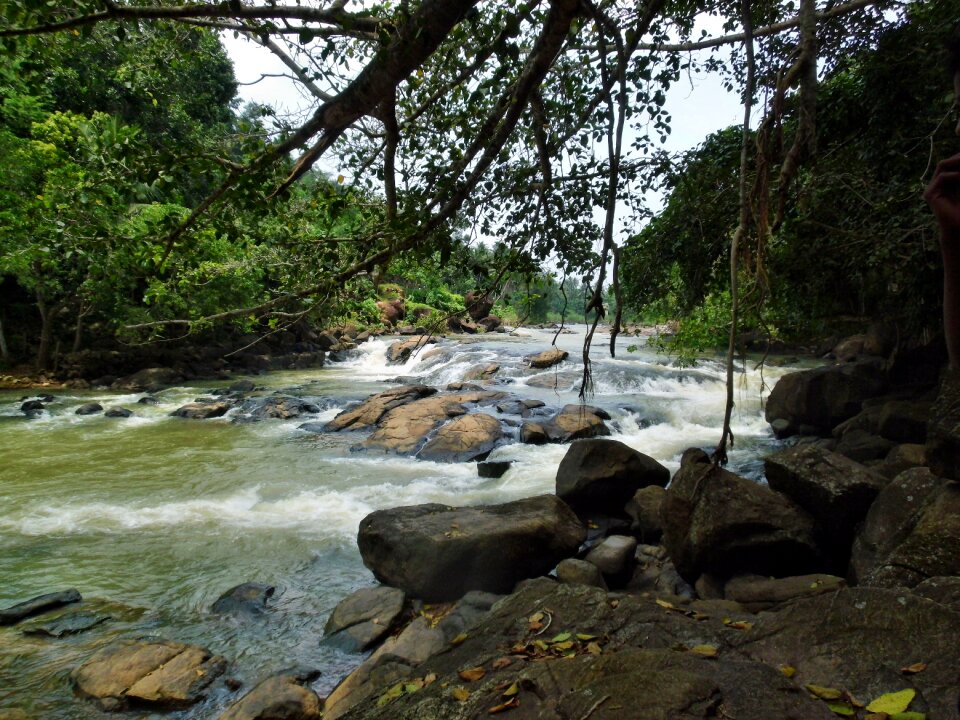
141, 202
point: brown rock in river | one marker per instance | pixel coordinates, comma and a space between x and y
466, 438
369, 412
547, 358
162, 674
281, 697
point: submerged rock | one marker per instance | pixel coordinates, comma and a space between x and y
493, 469
277, 407
118, 412
436, 552
37, 606
91, 408
248, 599
160, 674
68, 624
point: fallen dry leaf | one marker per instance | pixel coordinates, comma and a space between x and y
473, 674
824, 693
708, 651
502, 707
460, 693
501, 663
914, 669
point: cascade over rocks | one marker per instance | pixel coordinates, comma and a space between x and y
437, 553
719, 522
603, 475
814, 401
464, 439
369, 412
836, 491
160, 674
400, 351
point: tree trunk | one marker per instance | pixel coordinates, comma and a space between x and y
48, 316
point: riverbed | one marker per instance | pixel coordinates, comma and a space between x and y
153, 517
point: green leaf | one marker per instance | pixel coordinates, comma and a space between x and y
893, 703
824, 693
562, 637
909, 716
840, 708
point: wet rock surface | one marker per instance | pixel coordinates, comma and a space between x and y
203, 410
281, 697
160, 674
38, 605
245, 600
368, 413
364, 617
463, 439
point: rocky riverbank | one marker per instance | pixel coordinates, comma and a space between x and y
831, 590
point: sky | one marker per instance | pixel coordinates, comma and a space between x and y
698, 103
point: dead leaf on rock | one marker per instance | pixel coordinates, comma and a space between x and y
788, 671
512, 690
460, 694
594, 648
459, 639
473, 674
501, 663
914, 669
737, 624
503, 707
707, 651
824, 693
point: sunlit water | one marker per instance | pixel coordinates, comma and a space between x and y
153, 517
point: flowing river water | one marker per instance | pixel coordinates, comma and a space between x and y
153, 517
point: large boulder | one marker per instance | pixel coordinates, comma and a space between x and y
858, 639
436, 552
363, 618
91, 408
463, 439
644, 512
814, 401
836, 491
280, 697
757, 593
547, 358
717, 522
904, 421
404, 429
160, 674
478, 304
368, 413
392, 311
911, 533
943, 428
602, 475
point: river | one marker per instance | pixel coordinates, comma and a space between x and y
152, 517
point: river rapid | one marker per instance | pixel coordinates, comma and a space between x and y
153, 517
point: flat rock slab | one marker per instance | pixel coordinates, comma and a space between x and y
368, 413
858, 639
37, 606
436, 552
762, 593
160, 674
280, 697
68, 624
463, 439
404, 429
363, 618
645, 667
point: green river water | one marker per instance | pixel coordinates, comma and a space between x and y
152, 517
